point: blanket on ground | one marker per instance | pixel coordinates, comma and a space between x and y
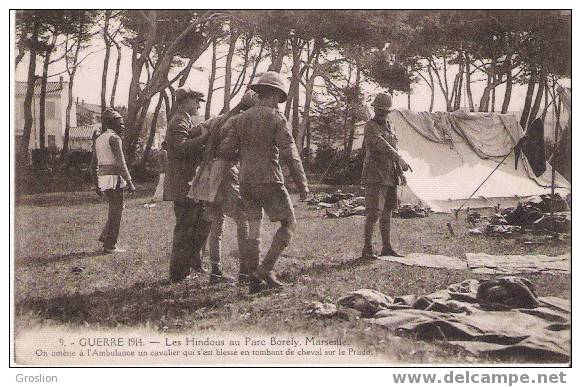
503, 318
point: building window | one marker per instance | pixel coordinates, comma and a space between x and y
50, 109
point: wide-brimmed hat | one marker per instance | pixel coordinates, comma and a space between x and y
272, 79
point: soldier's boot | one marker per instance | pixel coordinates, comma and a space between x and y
370, 221
368, 253
269, 277
265, 271
244, 272
385, 230
217, 276
252, 256
200, 238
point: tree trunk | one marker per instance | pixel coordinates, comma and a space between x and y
256, 63
352, 118
409, 99
167, 104
105, 62
432, 89
228, 69
211, 81
544, 116
295, 118
507, 91
116, 78
485, 99
152, 131
538, 97
458, 101
21, 45
296, 50
277, 54
42, 100
306, 122
242, 74
72, 72
443, 88
493, 99
528, 99
468, 83
28, 99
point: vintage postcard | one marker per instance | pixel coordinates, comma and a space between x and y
291, 188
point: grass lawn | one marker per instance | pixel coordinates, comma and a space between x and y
55, 233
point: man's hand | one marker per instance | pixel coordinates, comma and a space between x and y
98, 191
404, 165
402, 180
304, 195
130, 187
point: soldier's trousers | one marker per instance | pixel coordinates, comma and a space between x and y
110, 231
189, 238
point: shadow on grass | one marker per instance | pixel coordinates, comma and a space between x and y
76, 198
45, 260
157, 303
321, 268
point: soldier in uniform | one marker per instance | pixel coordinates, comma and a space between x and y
382, 172
259, 135
216, 182
111, 176
184, 150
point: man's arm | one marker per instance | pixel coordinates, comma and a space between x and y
117, 149
288, 149
378, 145
228, 148
183, 143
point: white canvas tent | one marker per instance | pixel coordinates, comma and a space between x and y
451, 154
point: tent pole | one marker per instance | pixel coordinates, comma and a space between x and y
556, 138
481, 184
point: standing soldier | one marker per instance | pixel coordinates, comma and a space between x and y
184, 150
382, 172
259, 135
110, 175
216, 183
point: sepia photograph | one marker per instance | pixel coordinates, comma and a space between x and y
299, 188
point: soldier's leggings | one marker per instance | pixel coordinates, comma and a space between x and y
189, 238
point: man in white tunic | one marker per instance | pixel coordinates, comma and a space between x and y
111, 176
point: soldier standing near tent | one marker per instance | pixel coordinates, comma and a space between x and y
110, 175
216, 182
184, 150
259, 135
382, 172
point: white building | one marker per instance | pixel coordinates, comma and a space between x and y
55, 113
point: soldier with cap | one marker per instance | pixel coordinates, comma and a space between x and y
110, 175
259, 136
382, 172
184, 150
216, 182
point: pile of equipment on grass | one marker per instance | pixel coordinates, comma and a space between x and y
539, 214
343, 204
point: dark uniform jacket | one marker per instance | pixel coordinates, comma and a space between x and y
262, 135
380, 165
184, 150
